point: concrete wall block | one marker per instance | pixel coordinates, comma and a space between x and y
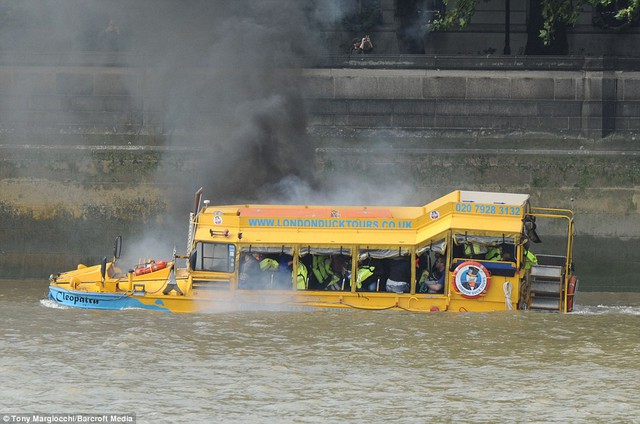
325, 106
369, 107
86, 118
318, 87
116, 84
620, 124
502, 123
500, 108
628, 109
558, 108
45, 102
71, 84
10, 102
451, 107
357, 88
122, 103
38, 118
546, 123
422, 107
399, 87
593, 88
592, 123
609, 89
629, 89
321, 120
574, 123
592, 109
532, 88
461, 122
411, 121
370, 121
341, 120
82, 103
37, 83
565, 89
488, 87
6, 81
445, 88
632, 124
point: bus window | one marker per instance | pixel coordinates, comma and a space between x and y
215, 257
392, 269
266, 268
430, 273
327, 268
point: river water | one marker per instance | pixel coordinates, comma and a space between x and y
317, 367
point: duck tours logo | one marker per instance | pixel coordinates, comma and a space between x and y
471, 279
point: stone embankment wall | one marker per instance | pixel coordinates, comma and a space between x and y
591, 104
573, 96
82, 156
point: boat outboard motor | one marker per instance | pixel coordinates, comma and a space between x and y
530, 228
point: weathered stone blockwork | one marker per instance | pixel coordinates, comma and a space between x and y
574, 102
590, 104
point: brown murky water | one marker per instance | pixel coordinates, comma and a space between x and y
317, 367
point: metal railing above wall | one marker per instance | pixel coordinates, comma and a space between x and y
477, 62
371, 61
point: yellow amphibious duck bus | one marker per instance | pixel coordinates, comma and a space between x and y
466, 251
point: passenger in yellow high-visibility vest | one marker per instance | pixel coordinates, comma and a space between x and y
474, 249
269, 264
529, 259
363, 273
301, 278
323, 272
494, 253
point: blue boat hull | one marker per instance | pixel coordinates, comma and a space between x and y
108, 301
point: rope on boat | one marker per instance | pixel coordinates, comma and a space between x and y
507, 295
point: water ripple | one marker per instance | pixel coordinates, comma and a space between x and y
313, 367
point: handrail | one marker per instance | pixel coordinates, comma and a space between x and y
568, 215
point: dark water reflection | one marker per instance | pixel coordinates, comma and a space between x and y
310, 367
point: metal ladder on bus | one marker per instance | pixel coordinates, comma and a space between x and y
546, 288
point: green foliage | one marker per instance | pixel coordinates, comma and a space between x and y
554, 12
459, 16
629, 13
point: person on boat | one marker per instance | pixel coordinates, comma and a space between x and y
432, 281
529, 259
341, 266
323, 271
365, 280
494, 253
302, 278
268, 264
474, 250
249, 271
399, 275
284, 272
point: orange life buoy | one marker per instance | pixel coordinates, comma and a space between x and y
471, 279
150, 267
571, 291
